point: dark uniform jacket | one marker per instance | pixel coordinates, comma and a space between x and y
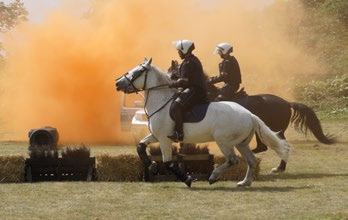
194, 90
230, 67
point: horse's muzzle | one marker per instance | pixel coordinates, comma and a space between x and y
117, 84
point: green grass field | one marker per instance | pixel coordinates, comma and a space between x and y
314, 186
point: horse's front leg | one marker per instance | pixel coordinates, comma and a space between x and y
141, 149
166, 149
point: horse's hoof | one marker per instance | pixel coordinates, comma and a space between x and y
244, 183
277, 170
212, 181
153, 167
189, 181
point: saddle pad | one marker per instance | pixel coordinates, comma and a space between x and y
195, 114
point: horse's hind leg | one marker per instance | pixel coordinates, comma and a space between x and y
260, 147
248, 155
231, 159
282, 166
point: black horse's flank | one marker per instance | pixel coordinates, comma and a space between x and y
277, 114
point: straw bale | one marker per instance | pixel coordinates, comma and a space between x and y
236, 172
192, 149
123, 167
155, 150
11, 169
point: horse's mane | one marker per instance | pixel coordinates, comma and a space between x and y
162, 77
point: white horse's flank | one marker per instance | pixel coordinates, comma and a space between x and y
227, 123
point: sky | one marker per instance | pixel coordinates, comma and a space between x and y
40, 9
61, 67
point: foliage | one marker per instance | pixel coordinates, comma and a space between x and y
42, 151
323, 31
81, 152
326, 33
10, 16
329, 95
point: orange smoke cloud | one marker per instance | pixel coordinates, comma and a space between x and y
61, 72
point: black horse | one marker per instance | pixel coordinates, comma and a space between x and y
277, 114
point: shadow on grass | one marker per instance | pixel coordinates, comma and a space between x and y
234, 188
272, 177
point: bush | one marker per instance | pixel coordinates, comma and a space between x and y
328, 95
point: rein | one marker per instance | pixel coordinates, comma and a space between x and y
160, 108
163, 86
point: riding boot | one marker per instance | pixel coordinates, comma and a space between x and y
178, 173
178, 134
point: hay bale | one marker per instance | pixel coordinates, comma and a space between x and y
123, 167
11, 169
236, 172
192, 149
155, 150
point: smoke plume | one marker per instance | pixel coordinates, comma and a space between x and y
61, 72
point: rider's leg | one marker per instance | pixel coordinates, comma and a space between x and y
178, 134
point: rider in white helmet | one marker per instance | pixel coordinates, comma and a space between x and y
192, 81
229, 72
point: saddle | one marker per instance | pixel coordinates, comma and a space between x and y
194, 114
240, 97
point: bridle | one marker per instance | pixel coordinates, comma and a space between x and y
138, 73
143, 69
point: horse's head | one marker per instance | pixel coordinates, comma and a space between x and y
135, 79
173, 70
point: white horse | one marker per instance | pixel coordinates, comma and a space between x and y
226, 123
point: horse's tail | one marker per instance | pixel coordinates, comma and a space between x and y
304, 118
271, 138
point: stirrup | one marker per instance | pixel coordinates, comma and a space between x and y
176, 136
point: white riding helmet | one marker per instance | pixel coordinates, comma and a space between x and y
223, 48
185, 46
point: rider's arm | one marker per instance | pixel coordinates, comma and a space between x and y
217, 79
181, 82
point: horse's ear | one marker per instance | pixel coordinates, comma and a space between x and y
148, 62
173, 64
145, 60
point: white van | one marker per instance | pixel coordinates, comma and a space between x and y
133, 117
